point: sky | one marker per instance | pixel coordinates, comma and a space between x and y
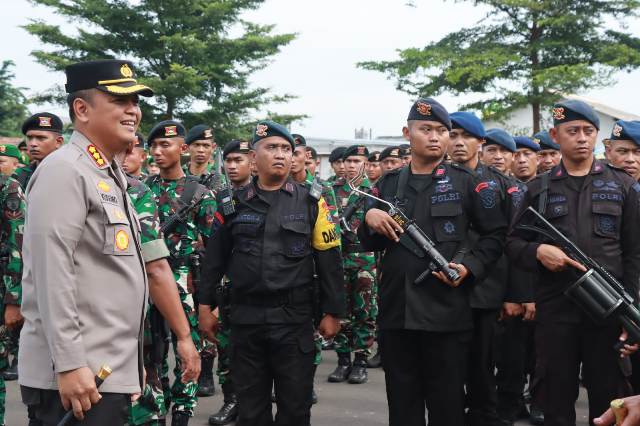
319, 66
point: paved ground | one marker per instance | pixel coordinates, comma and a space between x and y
340, 404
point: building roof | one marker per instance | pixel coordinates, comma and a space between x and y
605, 109
326, 145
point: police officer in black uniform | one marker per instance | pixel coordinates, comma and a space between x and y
426, 328
596, 206
267, 249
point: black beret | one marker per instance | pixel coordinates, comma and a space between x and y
299, 140
312, 150
167, 129
374, 157
355, 150
139, 141
626, 131
242, 147
428, 109
336, 154
390, 151
113, 76
267, 128
405, 149
42, 121
199, 132
544, 140
573, 109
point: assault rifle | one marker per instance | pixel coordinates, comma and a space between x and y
597, 292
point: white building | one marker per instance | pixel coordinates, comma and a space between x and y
519, 122
324, 146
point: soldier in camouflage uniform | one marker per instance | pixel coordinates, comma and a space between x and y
202, 146
238, 167
357, 331
44, 135
337, 164
134, 160
185, 240
13, 207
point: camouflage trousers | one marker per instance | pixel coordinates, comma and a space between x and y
5, 349
224, 356
358, 326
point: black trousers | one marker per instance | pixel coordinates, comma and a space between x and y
47, 408
515, 360
561, 348
425, 370
482, 399
266, 355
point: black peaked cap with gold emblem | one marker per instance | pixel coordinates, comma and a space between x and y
428, 109
113, 76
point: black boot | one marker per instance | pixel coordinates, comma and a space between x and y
343, 369
179, 418
227, 413
358, 373
206, 385
375, 361
12, 372
536, 416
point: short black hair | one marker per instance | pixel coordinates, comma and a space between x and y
85, 95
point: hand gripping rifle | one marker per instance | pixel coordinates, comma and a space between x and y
437, 262
597, 292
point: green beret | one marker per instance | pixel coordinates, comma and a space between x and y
199, 133
10, 151
299, 140
267, 128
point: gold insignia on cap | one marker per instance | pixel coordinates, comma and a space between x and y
3, 148
207, 133
361, 150
536, 141
617, 130
104, 186
423, 108
261, 130
244, 145
394, 153
558, 113
122, 240
170, 130
126, 71
44, 121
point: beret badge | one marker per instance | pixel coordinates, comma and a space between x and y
423, 108
617, 130
44, 121
558, 113
261, 130
170, 131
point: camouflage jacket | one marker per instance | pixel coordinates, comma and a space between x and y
345, 198
144, 202
23, 174
189, 235
211, 179
13, 205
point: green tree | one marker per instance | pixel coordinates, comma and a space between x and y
13, 110
523, 52
197, 55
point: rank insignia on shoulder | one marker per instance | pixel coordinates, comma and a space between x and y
95, 154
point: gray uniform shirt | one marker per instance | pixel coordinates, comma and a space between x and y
84, 282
